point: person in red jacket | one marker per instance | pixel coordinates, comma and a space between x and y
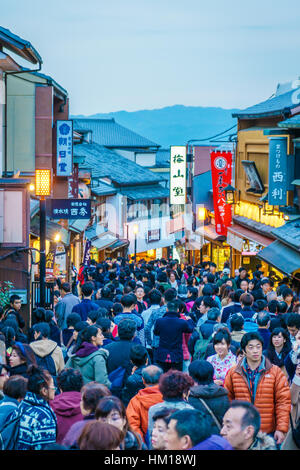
256, 380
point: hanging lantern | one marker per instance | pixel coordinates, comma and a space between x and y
230, 193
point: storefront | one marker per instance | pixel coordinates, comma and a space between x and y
283, 255
153, 254
246, 246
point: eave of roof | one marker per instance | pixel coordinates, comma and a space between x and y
19, 46
274, 106
293, 122
110, 134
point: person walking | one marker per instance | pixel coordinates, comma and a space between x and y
170, 328
38, 426
256, 380
66, 405
138, 407
65, 306
89, 358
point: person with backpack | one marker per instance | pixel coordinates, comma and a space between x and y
47, 353
33, 424
119, 365
14, 390
202, 335
139, 358
89, 357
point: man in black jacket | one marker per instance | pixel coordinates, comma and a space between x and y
15, 303
119, 350
169, 328
139, 358
205, 395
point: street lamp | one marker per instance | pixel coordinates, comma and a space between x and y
135, 231
57, 237
230, 192
42, 189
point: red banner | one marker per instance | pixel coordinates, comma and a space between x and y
221, 171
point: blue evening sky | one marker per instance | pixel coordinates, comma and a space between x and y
145, 54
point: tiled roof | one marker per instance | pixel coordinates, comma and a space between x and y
163, 158
109, 133
103, 189
271, 107
146, 192
289, 233
293, 122
108, 164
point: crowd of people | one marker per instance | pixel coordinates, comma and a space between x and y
154, 356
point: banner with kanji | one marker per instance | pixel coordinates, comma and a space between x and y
86, 255
50, 261
278, 169
221, 173
178, 174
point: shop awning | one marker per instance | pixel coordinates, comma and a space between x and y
243, 232
120, 243
210, 234
78, 225
95, 231
104, 241
282, 257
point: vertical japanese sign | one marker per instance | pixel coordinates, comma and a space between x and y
64, 148
178, 175
277, 171
86, 255
221, 170
50, 260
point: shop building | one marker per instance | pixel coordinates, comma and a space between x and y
130, 203
266, 199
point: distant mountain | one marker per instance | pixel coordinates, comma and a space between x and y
174, 125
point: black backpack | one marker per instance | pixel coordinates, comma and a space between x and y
9, 432
47, 362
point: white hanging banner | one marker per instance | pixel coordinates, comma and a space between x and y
178, 175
